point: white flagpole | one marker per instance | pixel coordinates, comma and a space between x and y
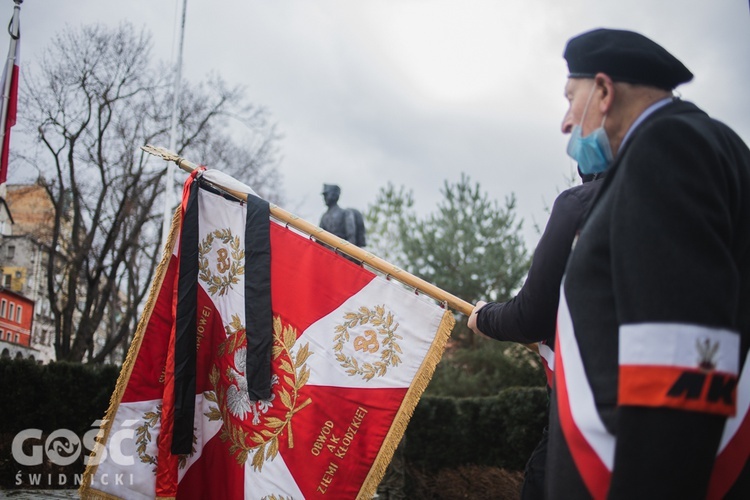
169, 197
14, 30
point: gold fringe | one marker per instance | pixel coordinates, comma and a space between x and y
85, 490
418, 385
94, 494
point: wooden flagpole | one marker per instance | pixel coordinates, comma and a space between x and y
334, 241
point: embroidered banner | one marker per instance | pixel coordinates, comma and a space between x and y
351, 354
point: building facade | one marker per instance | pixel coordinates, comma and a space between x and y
16, 320
26, 228
25, 231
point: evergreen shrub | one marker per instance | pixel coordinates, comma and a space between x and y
499, 431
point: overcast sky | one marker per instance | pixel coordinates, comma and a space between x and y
417, 91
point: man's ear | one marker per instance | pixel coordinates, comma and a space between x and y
606, 87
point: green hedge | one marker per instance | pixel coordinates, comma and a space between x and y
499, 431
49, 397
54, 396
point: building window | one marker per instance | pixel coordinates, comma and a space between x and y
1, 334
19, 310
18, 338
10, 311
11, 251
6, 280
3, 305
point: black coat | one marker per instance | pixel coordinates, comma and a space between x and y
654, 323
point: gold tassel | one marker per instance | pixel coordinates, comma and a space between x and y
401, 421
86, 491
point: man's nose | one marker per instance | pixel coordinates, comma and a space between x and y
567, 124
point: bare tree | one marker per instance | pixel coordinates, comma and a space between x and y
95, 99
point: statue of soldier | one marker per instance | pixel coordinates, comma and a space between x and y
346, 223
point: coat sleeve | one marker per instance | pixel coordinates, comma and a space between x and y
675, 289
530, 315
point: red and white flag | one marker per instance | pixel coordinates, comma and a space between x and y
343, 355
9, 86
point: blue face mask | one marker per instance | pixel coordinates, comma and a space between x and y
593, 152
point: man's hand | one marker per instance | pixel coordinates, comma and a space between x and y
473, 317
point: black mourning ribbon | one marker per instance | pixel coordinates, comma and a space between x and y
186, 322
258, 314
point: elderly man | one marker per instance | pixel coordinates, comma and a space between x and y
651, 370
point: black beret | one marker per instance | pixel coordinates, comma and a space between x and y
624, 56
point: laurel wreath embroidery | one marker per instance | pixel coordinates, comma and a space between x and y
264, 440
143, 438
228, 269
386, 331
